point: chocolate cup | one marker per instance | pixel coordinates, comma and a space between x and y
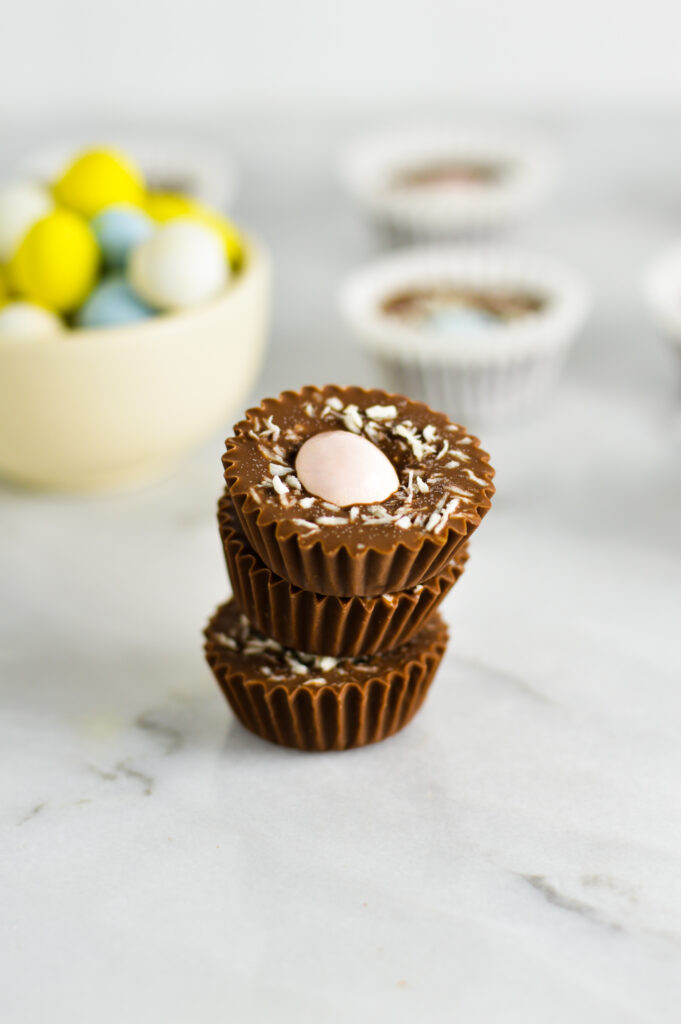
366, 561
333, 716
323, 624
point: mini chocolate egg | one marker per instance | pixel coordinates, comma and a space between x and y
111, 304
345, 469
99, 178
166, 206
56, 263
181, 265
118, 229
25, 320
22, 203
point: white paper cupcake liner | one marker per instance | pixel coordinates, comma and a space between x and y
482, 376
662, 291
170, 163
431, 212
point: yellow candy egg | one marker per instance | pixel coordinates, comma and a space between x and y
56, 264
165, 206
99, 178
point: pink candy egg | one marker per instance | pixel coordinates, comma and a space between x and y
345, 469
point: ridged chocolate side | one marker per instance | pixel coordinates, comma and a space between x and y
368, 573
324, 624
311, 564
329, 717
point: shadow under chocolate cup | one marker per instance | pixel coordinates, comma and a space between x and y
445, 489
319, 703
324, 624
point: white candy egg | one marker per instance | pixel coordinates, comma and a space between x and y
22, 203
25, 320
182, 264
345, 469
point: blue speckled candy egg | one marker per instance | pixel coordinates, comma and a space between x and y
111, 304
118, 230
458, 320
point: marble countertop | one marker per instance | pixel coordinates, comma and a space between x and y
513, 855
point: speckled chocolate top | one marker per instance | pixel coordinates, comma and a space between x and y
445, 480
450, 172
420, 305
235, 643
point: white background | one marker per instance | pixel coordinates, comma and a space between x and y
178, 57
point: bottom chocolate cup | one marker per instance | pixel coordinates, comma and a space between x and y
347, 627
318, 702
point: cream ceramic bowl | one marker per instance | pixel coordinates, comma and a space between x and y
108, 408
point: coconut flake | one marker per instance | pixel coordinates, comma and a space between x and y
372, 431
297, 667
352, 418
432, 521
225, 641
273, 430
443, 522
279, 485
332, 521
305, 523
471, 474
382, 412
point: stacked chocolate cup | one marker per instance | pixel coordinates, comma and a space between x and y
332, 637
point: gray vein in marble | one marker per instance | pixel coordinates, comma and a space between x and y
613, 885
32, 813
564, 902
500, 675
123, 769
168, 735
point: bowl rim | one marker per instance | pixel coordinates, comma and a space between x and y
257, 260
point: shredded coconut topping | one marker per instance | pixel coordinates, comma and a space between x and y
378, 423
282, 660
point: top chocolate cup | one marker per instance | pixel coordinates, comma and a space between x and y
445, 489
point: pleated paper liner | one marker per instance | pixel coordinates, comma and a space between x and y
355, 559
323, 624
313, 705
492, 375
